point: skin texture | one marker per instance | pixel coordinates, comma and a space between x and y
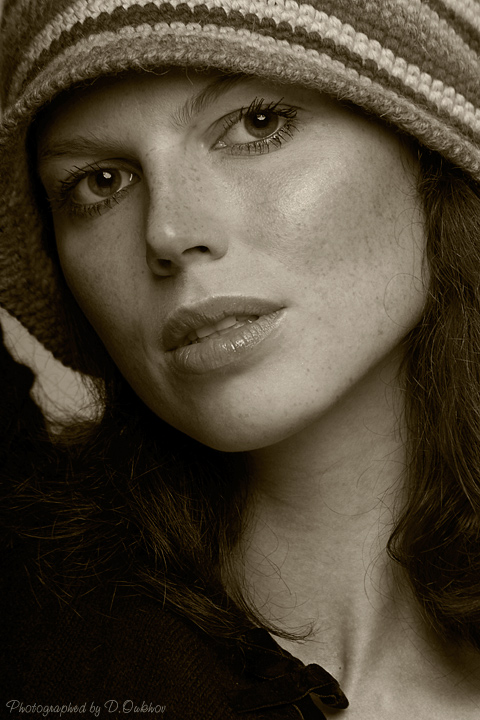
327, 226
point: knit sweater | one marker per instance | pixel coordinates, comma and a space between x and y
126, 653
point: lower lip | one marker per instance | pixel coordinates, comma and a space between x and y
218, 352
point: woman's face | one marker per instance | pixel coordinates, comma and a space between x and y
247, 252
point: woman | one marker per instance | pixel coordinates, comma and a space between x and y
255, 228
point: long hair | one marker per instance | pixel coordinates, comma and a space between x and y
130, 503
135, 503
437, 537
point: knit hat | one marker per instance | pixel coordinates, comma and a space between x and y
415, 63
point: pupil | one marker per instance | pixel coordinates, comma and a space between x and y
261, 124
104, 179
105, 182
261, 120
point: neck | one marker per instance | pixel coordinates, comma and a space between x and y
323, 510
314, 555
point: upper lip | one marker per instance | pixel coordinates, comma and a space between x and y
182, 321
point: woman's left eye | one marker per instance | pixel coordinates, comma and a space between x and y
257, 129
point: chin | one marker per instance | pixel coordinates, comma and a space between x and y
225, 440
230, 444
235, 437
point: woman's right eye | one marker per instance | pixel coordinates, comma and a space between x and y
92, 189
101, 184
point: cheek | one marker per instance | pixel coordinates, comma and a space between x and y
336, 218
348, 235
104, 285
339, 239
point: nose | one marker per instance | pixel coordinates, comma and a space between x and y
184, 226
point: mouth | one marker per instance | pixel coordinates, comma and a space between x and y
219, 329
213, 319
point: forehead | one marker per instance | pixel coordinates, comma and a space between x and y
117, 111
132, 101
161, 90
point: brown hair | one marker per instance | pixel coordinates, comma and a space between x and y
138, 504
437, 538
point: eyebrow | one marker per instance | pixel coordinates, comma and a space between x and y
204, 98
79, 145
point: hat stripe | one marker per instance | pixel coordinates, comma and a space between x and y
460, 14
413, 63
296, 15
467, 10
466, 27
287, 22
129, 48
346, 14
410, 83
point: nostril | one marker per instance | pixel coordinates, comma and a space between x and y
170, 261
196, 249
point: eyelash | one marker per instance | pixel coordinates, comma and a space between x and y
62, 200
263, 145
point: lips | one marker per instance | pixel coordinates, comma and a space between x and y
208, 332
213, 318
218, 332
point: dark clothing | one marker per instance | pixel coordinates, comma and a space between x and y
96, 649
129, 650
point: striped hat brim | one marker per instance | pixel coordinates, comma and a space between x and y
373, 53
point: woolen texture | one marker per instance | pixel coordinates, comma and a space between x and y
414, 63
121, 651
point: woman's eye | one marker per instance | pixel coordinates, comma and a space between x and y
256, 126
256, 130
101, 184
